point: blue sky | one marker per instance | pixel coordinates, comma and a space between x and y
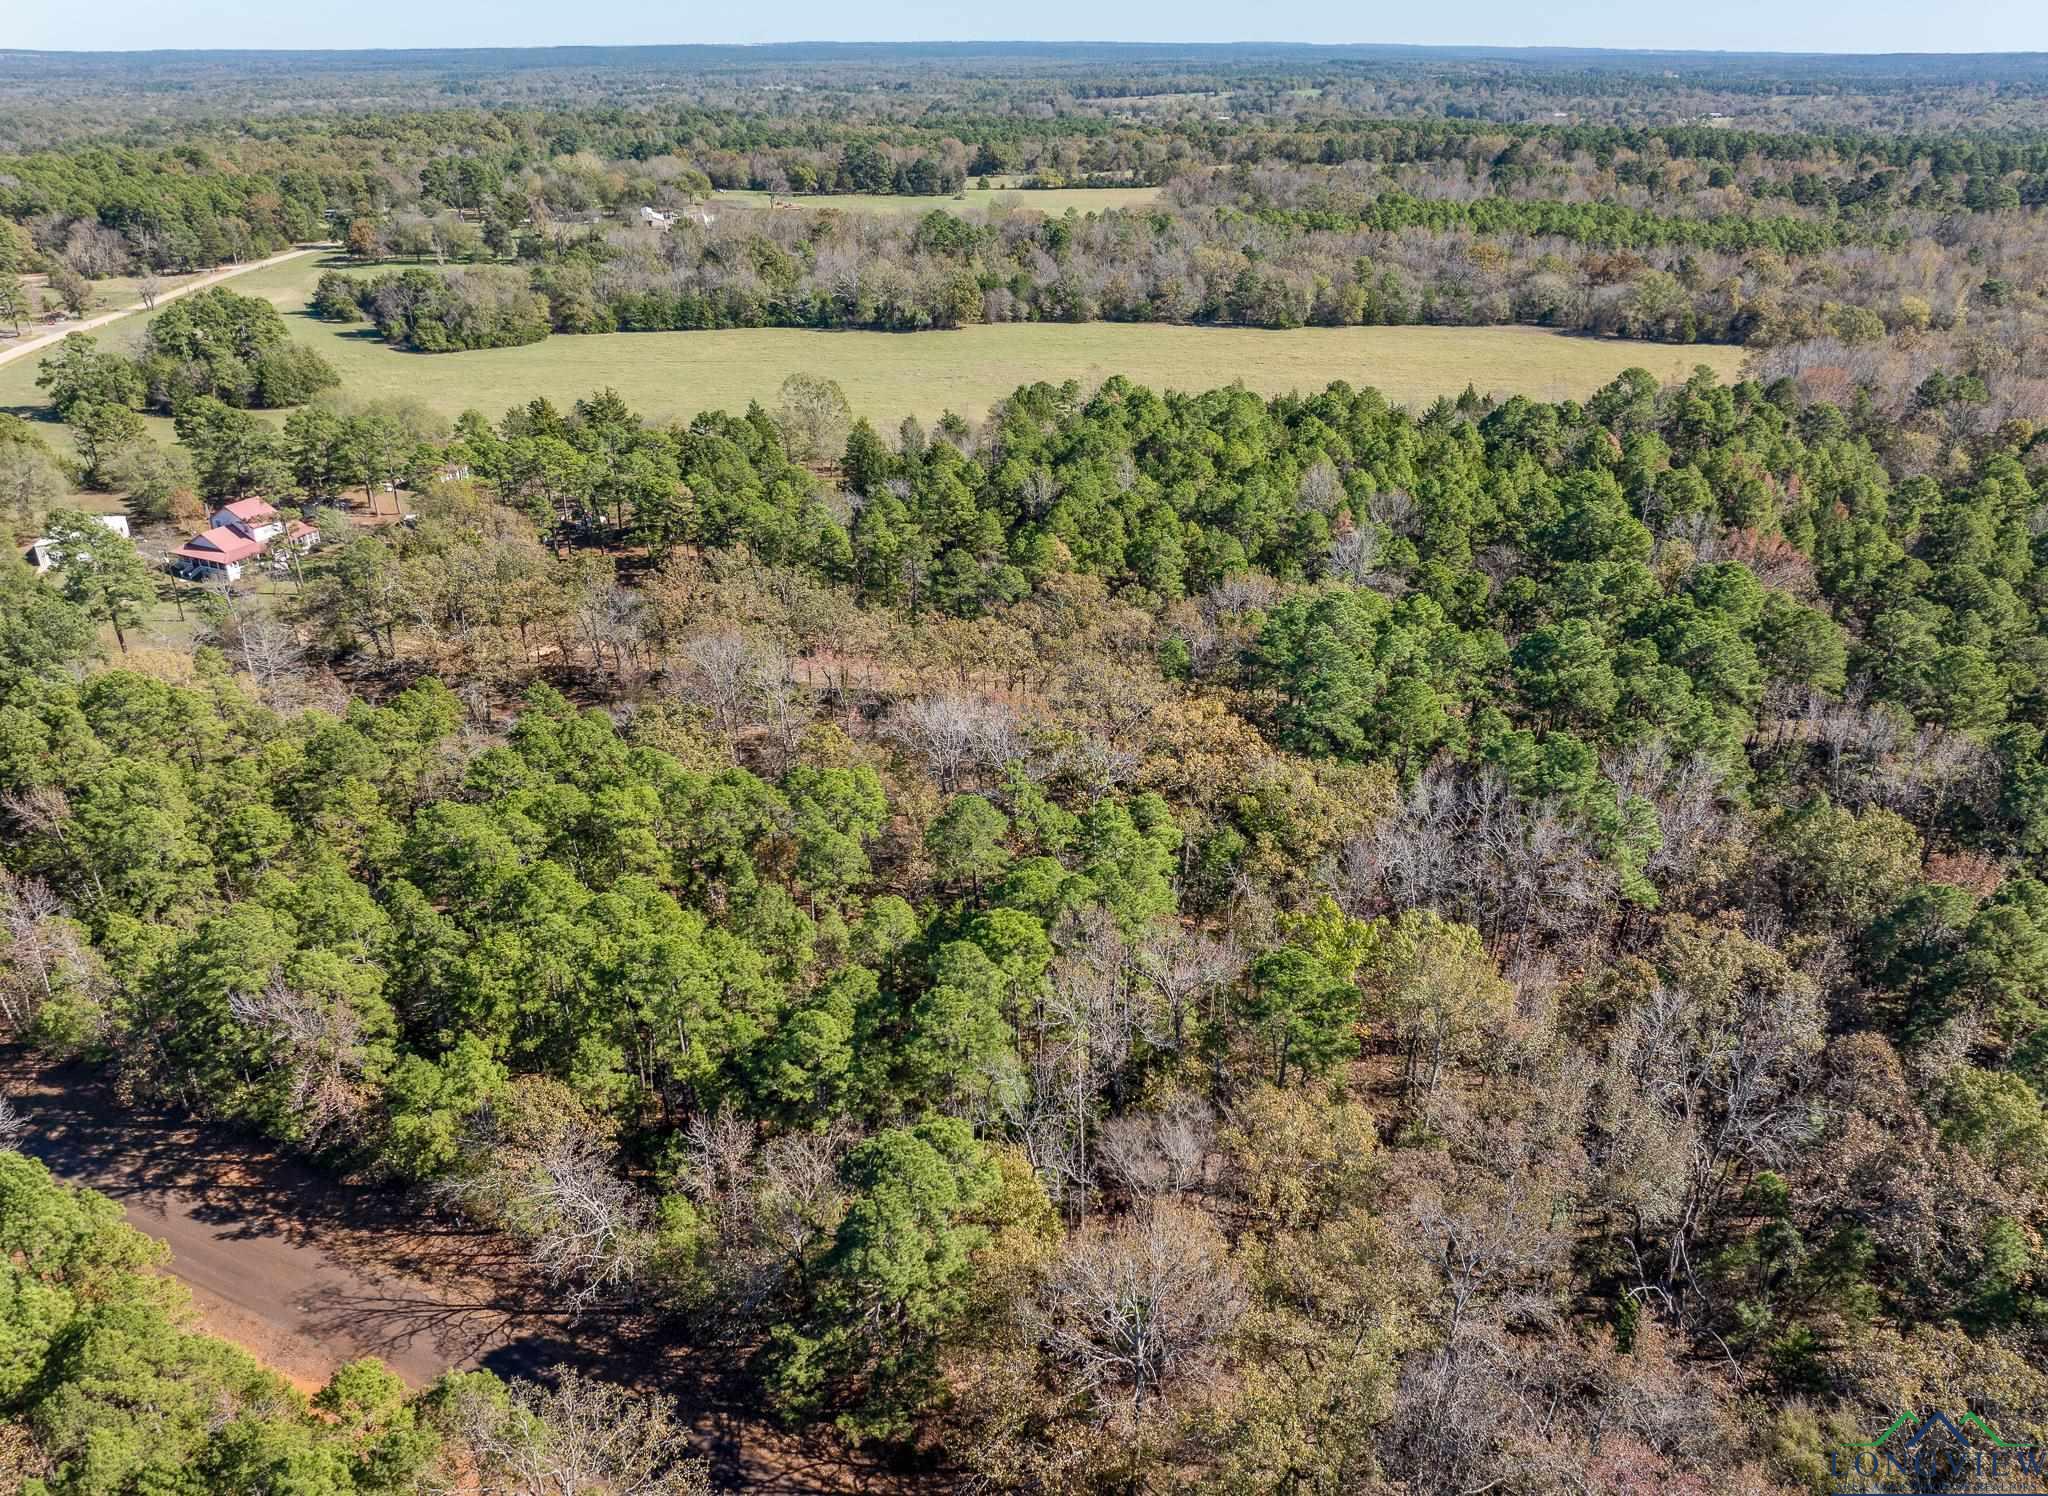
1741, 25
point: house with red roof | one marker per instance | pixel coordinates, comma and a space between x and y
251, 517
242, 533
217, 555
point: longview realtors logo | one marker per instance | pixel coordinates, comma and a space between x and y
1962, 1456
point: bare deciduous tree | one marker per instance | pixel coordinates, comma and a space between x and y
585, 1228
1353, 554
1713, 1066
1321, 489
1038, 491
954, 733
1686, 797
1130, 1310
95, 250
1163, 1152
42, 954
39, 809
611, 623
317, 1055
766, 1205
785, 705
267, 650
589, 1223
1241, 593
1394, 510
1189, 971
721, 673
580, 1437
14, 1128
1493, 1255
743, 683
31, 956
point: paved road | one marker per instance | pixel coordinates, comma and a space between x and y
304, 1272
11, 351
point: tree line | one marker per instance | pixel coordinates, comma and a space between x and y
1268, 248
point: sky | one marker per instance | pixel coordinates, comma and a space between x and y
1732, 25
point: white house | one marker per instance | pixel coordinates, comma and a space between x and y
654, 218
241, 534
298, 536
251, 518
218, 555
39, 555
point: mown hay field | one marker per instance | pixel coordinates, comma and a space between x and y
1052, 201
672, 376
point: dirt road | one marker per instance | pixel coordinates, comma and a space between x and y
304, 1272
10, 350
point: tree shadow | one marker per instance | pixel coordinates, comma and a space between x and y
385, 1272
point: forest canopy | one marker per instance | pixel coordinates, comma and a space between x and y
1223, 847
1138, 940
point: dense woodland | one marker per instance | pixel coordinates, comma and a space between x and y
1498, 903
1290, 207
1269, 247
1143, 941
52, 97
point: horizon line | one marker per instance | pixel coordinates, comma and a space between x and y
1560, 48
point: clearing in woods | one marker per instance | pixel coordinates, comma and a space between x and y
670, 376
1049, 200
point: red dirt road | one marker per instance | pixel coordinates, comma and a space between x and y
307, 1273
304, 1272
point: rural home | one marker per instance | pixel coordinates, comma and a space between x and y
242, 532
251, 517
41, 558
217, 555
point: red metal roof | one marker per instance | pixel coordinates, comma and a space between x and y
249, 511
220, 544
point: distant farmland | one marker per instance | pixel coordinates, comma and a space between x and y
1050, 200
672, 376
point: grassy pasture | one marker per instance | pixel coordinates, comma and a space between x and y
672, 376
1052, 201
108, 292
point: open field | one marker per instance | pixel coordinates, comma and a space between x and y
888, 375
109, 292
1052, 200
671, 376
34, 341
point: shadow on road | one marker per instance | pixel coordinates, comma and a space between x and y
308, 1271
